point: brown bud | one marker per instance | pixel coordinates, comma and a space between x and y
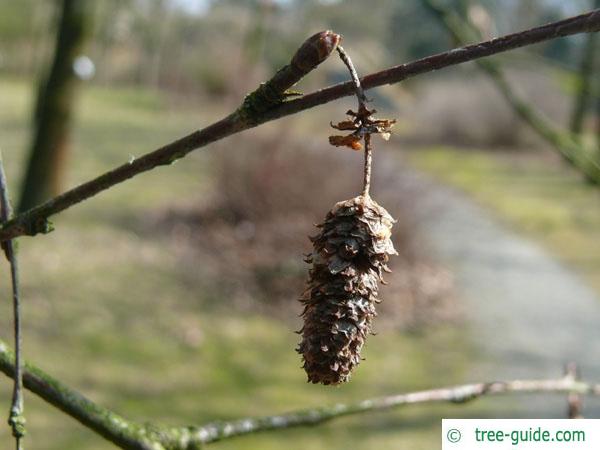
315, 50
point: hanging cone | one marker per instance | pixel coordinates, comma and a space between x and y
349, 257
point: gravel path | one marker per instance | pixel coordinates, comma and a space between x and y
528, 314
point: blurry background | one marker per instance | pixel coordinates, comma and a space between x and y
173, 297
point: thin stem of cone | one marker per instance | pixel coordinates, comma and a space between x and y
362, 113
360, 94
368, 163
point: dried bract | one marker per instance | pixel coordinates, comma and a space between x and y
349, 258
362, 123
350, 141
345, 125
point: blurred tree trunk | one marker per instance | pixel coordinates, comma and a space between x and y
583, 98
52, 114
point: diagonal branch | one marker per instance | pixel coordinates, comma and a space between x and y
35, 220
130, 435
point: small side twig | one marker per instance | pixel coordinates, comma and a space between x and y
16, 418
574, 400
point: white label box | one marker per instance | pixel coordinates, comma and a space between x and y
521, 434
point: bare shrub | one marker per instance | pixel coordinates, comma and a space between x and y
470, 111
252, 231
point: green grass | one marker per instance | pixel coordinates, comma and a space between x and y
533, 193
109, 312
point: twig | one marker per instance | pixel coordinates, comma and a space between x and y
311, 53
574, 400
456, 395
36, 220
16, 418
130, 435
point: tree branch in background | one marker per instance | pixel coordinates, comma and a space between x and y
583, 98
52, 117
248, 115
16, 417
130, 435
564, 142
598, 122
597, 111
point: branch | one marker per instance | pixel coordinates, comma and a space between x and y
564, 142
456, 395
16, 417
35, 220
130, 435
118, 430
